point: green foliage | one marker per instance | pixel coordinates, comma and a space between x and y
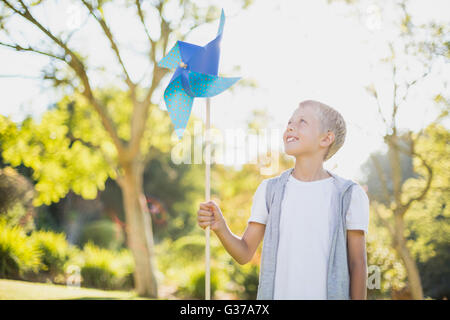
187, 250
180, 188
17, 215
18, 255
247, 278
435, 273
46, 253
58, 165
55, 252
103, 233
16, 195
182, 261
189, 247
105, 269
178, 185
69, 149
381, 254
14, 188
195, 287
428, 221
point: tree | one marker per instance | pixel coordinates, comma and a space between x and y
127, 152
414, 50
428, 222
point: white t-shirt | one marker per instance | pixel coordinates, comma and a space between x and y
306, 226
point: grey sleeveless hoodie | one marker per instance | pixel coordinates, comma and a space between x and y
338, 277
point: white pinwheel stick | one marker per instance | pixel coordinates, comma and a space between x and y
207, 196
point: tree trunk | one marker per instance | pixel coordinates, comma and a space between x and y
139, 230
413, 273
399, 228
415, 284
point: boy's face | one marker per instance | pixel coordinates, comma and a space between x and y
303, 133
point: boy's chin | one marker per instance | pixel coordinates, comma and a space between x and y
292, 152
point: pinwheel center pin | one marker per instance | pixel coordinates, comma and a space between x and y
183, 65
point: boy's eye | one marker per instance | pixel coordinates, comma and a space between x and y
300, 121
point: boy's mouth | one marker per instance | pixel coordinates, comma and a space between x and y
291, 139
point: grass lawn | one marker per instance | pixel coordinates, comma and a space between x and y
22, 290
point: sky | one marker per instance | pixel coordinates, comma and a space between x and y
293, 50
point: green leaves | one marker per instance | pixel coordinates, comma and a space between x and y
69, 149
59, 158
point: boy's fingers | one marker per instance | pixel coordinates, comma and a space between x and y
204, 213
204, 224
210, 209
209, 203
205, 206
213, 203
204, 219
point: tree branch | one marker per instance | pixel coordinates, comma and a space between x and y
20, 48
141, 108
77, 65
394, 93
403, 208
114, 47
142, 19
373, 91
412, 83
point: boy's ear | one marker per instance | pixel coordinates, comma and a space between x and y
327, 139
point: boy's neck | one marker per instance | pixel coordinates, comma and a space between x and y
308, 169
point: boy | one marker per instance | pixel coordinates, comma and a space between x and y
313, 221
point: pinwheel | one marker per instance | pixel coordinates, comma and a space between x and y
196, 75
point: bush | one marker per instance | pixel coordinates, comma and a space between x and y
18, 255
45, 253
103, 233
195, 286
55, 252
105, 269
181, 264
15, 189
247, 277
19, 215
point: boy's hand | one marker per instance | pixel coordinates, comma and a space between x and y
210, 215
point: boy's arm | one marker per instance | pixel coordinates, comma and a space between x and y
242, 248
356, 245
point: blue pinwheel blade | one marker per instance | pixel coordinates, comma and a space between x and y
206, 85
172, 59
207, 61
179, 105
188, 50
181, 52
221, 23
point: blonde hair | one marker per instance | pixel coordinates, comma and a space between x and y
330, 120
